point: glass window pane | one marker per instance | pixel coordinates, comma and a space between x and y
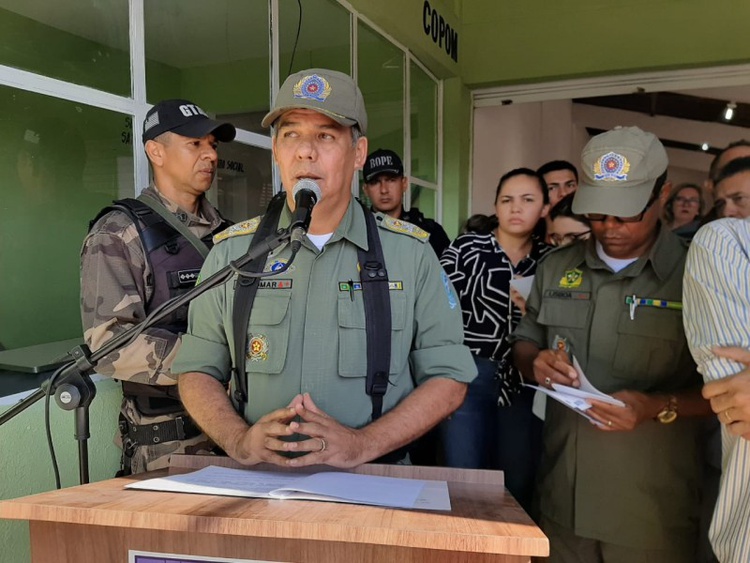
215, 55
80, 41
323, 40
423, 99
381, 79
245, 180
425, 199
62, 162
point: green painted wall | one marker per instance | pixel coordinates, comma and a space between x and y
25, 466
538, 40
456, 154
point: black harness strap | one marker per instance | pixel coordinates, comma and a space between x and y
377, 301
244, 296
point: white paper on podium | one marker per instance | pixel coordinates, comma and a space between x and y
523, 285
325, 486
577, 398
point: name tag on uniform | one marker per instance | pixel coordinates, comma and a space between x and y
275, 284
568, 295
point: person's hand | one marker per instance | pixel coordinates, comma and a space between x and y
730, 396
638, 408
554, 366
260, 442
518, 300
329, 442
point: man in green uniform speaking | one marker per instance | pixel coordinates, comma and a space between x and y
625, 486
306, 358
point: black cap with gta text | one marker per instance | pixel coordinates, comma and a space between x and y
184, 118
382, 161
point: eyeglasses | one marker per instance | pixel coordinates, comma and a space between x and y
687, 200
567, 238
600, 217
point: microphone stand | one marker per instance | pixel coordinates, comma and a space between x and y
72, 384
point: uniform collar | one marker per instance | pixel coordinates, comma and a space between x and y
352, 226
664, 255
207, 216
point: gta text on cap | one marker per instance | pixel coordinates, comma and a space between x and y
442, 34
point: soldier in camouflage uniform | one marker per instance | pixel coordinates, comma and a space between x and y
122, 281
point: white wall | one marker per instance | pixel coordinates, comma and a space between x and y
507, 137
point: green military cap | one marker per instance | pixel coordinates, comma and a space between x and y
619, 171
329, 92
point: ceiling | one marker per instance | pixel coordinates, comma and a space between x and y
705, 106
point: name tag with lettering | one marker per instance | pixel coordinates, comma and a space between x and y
568, 295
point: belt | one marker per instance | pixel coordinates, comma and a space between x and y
180, 428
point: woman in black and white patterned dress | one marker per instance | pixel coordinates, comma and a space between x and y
495, 428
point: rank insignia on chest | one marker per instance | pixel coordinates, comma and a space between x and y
572, 278
257, 348
560, 343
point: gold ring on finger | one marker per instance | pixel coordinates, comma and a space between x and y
323, 445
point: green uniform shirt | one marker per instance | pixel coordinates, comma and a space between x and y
639, 488
307, 327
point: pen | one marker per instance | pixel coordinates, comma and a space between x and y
634, 301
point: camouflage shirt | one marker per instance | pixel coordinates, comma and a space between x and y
116, 284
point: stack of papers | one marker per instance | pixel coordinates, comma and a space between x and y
577, 398
325, 486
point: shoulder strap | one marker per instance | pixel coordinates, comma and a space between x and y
157, 207
377, 301
244, 296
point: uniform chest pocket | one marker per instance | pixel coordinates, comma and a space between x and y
268, 334
353, 335
566, 318
649, 347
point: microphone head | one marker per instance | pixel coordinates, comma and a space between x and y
307, 184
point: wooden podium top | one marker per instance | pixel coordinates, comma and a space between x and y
485, 518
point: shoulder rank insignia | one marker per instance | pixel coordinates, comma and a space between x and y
571, 278
244, 228
404, 227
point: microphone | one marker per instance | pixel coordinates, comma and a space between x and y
306, 194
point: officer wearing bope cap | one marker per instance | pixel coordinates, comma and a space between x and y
305, 392
624, 485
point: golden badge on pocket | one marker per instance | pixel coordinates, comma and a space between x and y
257, 348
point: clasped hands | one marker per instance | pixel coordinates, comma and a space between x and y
554, 366
329, 442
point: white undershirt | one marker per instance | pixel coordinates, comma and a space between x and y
616, 264
319, 240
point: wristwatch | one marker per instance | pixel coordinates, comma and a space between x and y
669, 412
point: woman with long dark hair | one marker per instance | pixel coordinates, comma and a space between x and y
495, 428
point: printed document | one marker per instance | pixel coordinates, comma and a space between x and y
577, 398
331, 486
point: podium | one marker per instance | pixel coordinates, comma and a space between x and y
101, 522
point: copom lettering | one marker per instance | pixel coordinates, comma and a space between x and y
442, 34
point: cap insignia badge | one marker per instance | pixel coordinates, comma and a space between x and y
257, 348
312, 87
571, 279
611, 167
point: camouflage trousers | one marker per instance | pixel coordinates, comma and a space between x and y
138, 458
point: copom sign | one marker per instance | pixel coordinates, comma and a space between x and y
442, 34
